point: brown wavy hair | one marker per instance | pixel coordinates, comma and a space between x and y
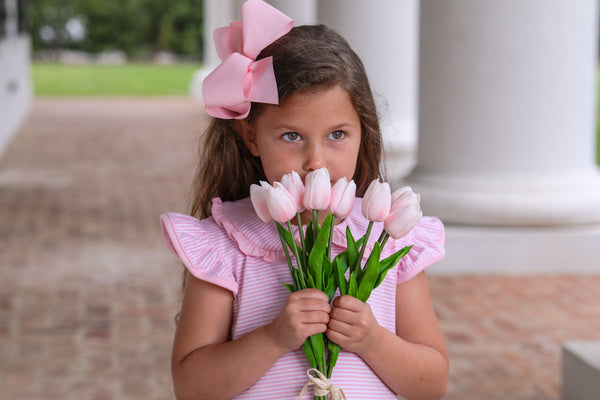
309, 57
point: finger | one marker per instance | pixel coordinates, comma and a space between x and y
340, 327
338, 337
312, 294
342, 315
314, 317
348, 302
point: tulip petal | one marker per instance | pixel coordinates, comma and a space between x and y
281, 204
317, 193
258, 196
377, 201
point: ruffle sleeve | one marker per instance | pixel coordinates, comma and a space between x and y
427, 239
202, 247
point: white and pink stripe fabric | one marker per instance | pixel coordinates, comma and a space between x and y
237, 251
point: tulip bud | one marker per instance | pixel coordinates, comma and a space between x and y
317, 193
402, 220
258, 196
377, 201
405, 213
342, 198
295, 187
404, 196
282, 206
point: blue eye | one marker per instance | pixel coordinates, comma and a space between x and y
337, 135
291, 136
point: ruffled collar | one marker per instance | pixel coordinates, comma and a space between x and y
242, 224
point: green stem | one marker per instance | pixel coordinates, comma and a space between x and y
330, 239
302, 243
315, 214
289, 261
385, 239
362, 249
382, 236
299, 260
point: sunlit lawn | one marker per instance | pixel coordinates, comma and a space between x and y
112, 80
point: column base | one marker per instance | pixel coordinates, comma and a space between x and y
557, 199
581, 370
504, 250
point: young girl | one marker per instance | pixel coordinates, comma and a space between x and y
240, 331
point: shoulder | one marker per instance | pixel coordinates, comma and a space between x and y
233, 226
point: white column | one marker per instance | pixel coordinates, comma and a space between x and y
217, 13
384, 34
303, 12
16, 95
507, 112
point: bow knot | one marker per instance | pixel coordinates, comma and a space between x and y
239, 80
322, 386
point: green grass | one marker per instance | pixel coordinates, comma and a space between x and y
112, 80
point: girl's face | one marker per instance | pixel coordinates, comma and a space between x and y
307, 132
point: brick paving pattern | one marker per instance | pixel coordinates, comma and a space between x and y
88, 292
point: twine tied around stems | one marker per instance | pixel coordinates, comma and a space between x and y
322, 386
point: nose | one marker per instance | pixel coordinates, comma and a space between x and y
313, 158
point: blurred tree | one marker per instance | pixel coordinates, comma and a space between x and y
47, 21
181, 27
137, 27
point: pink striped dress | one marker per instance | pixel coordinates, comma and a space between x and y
237, 251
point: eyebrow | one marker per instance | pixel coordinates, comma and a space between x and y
291, 128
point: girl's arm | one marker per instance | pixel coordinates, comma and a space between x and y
205, 364
414, 361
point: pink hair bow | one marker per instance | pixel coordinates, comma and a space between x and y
230, 89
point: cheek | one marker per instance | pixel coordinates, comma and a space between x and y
274, 167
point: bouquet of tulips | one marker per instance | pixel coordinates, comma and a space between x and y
286, 200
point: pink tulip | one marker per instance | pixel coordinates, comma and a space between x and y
342, 198
403, 197
295, 187
258, 196
405, 213
377, 201
317, 192
282, 206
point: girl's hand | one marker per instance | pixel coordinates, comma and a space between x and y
305, 313
352, 324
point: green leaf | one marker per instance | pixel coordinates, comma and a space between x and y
285, 234
369, 277
296, 279
309, 354
352, 284
318, 346
334, 352
289, 287
351, 247
318, 253
327, 267
330, 287
389, 263
311, 282
340, 265
309, 237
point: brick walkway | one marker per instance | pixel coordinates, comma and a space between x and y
88, 292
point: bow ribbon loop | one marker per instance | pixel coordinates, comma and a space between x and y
322, 386
229, 90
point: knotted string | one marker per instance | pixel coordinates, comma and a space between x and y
322, 386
